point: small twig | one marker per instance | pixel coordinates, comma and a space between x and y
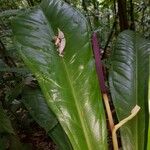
134, 112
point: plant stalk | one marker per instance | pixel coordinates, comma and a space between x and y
108, 111
134, 112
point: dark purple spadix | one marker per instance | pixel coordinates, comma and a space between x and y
98, 62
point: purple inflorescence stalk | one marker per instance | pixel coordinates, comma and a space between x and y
98, 63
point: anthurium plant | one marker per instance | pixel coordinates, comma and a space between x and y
54, 41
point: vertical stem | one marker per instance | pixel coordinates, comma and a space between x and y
114, 139
122, 12
134, 112
108, 110
111, 122
132, 25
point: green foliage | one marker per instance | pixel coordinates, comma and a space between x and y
15, 144
3, 141
80, 112
129, 86
8, 137
148, 143
5, 124
34, 101
60, 138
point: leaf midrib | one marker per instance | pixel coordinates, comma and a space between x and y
78, 108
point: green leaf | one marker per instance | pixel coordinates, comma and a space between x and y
128, 81
5, 124
60, 138
69, 83
148, 143
34, 101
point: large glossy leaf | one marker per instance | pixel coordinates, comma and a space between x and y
60, 138
69, 83
34, 101
129, 86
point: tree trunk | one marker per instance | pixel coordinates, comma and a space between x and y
122, 12
132, 25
